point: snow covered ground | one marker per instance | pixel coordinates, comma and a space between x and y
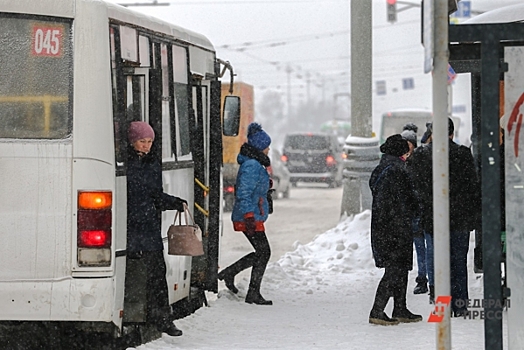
322, 294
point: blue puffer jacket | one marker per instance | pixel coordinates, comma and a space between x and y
251, 189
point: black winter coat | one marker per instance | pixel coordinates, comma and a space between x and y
145, 202
393, 209
464, 187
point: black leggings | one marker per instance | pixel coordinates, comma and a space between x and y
257, 259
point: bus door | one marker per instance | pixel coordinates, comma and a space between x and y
207, 145
131, 273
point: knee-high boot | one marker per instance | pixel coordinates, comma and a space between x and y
253, 294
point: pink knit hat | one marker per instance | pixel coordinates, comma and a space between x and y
140, 130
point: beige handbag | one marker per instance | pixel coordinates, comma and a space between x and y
184, 239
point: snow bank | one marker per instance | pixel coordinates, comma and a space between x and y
342, 250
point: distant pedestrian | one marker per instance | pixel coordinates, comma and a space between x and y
464, 210
393, 209
250, 211
410, 134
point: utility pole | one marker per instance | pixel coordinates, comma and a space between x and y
361, 60
441, 169
289, 70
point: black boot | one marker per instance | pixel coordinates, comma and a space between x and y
253, 293
432, 294
229, 280
256, 298
382, 319
422, 285
169, 327
406, 316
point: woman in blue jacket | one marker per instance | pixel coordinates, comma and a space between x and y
250, 211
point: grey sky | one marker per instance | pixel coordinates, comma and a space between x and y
310, 37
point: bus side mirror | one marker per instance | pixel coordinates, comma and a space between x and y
231, 113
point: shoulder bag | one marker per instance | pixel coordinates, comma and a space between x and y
184, 239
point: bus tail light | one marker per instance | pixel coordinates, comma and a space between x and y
94, 220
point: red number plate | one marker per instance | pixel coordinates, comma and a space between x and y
47, 40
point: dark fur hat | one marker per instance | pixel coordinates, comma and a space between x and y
395, 145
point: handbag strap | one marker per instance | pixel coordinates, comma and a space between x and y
186, 213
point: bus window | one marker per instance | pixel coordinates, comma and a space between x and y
180, 78
168, 138
36, 56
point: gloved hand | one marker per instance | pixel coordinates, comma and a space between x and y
249, 223
180, 204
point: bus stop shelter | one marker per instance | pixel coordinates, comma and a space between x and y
491, 53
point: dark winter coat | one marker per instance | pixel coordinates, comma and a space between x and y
393, 209
464, 187
145, 202
251, 188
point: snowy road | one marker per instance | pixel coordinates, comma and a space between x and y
322, 291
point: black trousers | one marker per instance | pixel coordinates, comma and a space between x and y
158, 308
393, 284
257, 259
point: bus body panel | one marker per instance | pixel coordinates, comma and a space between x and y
67, 299
92, 77
36, 210
48, 8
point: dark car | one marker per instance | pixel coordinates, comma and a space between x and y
313, 157
280, 175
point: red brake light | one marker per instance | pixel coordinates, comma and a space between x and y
229, 189
283, 158
330, 160
94, 238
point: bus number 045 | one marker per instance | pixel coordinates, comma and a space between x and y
47, 41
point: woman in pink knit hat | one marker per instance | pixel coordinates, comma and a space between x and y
145, 202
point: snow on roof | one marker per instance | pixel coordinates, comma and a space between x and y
507, 14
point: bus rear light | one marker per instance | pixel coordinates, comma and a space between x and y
95, 200
330, 160
93, 219
94, 238
283, 158
94, 228
229, 189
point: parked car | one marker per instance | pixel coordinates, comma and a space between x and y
280, 175
313, 157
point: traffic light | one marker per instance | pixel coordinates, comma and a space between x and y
392, 11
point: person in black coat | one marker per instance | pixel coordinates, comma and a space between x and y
410, 134
393, 209
464, 210
145, 202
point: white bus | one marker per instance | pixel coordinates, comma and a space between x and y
73, 74
392, 122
